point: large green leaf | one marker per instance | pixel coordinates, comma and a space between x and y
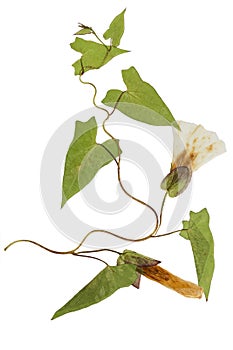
201, 239
116, 29
94, 55
84, 158
101, 287
140, 101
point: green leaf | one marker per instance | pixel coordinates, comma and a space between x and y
177, 181
140, 101
94, 55
202, 243
131, 257
116, 29
85, 158
101, 287
84, 31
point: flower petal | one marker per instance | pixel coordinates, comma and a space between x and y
211, 151
195, 146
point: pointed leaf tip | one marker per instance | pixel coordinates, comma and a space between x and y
202, 243
140, 101
116, 29
108, 281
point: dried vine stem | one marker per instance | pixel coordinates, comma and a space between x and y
70, 252
118, 163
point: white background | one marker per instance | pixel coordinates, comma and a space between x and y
184, 49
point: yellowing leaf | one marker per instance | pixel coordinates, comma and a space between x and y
116, 29
202, 243
140, 101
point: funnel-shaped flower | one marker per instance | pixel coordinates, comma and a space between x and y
195, 146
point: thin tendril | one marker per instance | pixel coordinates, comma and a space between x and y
161, 210
109, 115
170, 233
161, 214
99, 250
72, 252
95, 93
90, 257
114, 235
39, 245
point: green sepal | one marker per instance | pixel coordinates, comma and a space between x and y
177, 181
131, 257
138, 260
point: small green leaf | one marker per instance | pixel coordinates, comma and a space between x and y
202, 243
131, 257
94, 55
177, 181
116, 29
85, 158
101, 287
84, 31
140, 101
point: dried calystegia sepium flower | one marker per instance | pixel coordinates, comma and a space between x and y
193, 146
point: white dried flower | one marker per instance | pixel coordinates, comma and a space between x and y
195, 146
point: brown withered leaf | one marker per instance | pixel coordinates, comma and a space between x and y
167, 279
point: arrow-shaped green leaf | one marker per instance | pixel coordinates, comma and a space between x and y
116, 29
140, 101
85, 158
94, 55
101, 287
201, 239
